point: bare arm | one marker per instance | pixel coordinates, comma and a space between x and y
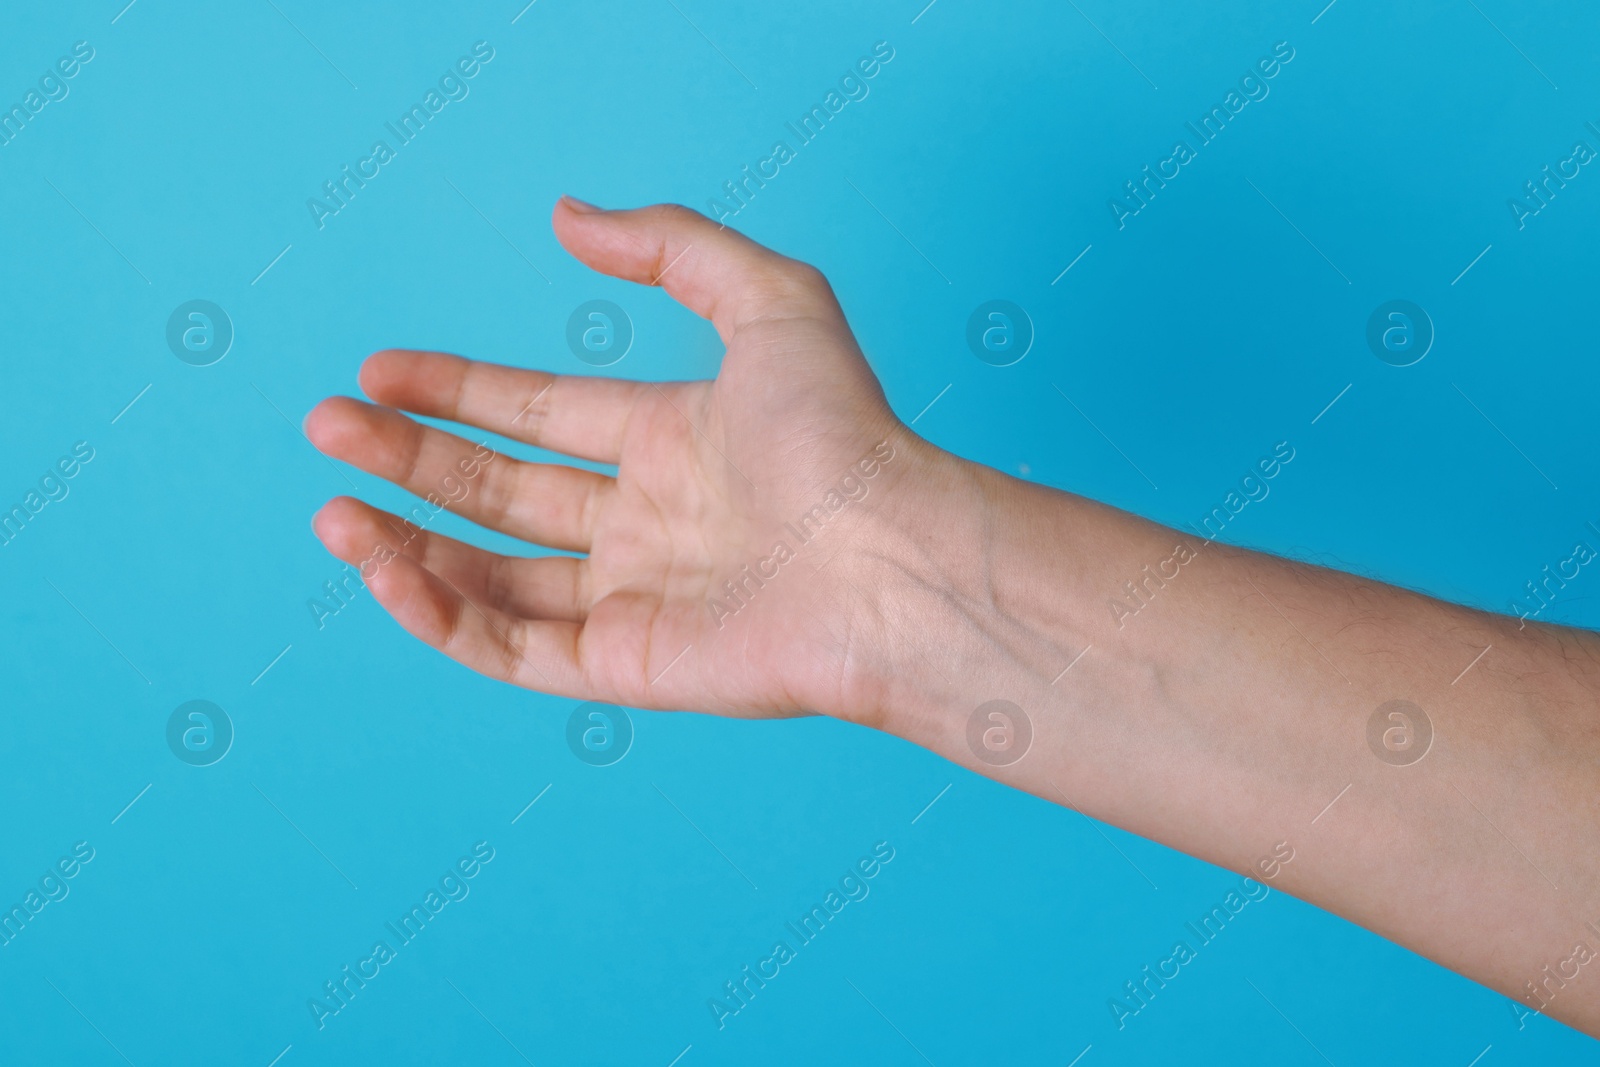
776, 542
1255, 707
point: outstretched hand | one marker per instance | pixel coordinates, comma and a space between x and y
776, 542
683, 597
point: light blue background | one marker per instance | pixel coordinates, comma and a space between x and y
1195, 338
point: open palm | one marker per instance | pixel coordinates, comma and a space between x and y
684, 598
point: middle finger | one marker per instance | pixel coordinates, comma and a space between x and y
544, 503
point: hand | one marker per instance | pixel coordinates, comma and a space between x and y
708, 474
1221, 721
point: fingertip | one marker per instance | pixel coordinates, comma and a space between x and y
337, 509
326, 425
335, 524
563, 217
323, 524
413, 597
379, 370
581, 207
315, 424
318, 523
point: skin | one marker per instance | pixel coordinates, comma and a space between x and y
1226, 718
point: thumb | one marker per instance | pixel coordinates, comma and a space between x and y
717, 273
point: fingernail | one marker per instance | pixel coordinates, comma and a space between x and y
582, 207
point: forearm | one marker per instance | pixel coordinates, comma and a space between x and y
1224, 705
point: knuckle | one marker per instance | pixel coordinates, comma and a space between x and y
535, 412
499, 581
796, 285
808, 279
511, 645
588, 509
455, 639
671, 213
500, 495
411, 452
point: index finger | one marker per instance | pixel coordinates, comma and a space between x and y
578, 416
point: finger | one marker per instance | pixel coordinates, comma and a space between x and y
540, 502
547, 588
535, 654
717, 273
580, 416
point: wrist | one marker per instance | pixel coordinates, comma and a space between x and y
976, 591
